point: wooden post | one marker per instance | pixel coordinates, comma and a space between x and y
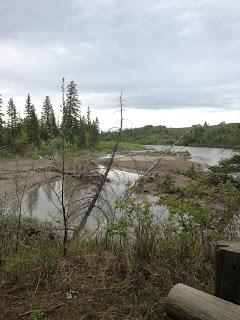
227, 271
186, 303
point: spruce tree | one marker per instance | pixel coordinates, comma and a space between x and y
31, 123
48, 121
82, 136
12, 122
71, 112
94, 134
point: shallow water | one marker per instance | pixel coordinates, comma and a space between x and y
43, 201
205, 156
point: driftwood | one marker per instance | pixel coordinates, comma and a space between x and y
186, 303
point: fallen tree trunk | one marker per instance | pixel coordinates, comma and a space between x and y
186, 303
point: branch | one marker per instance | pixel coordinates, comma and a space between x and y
44, 311
82, 224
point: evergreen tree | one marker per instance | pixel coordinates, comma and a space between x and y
82, 137
12, 122
92, 131
31, 123
71, 112
94, 134
48, 121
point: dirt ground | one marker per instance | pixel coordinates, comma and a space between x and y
27, 172
141, 163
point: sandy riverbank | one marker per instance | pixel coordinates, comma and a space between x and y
28, 173
173, 165
142, 162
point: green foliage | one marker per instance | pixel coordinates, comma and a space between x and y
48, 121
192, 189
167, 186
37, 314
221, 135
71, 113
30, 256
225, 171
145, 135
31, 250
138, 226
31, 123
13, 125
191, 173
31, 135
123, 146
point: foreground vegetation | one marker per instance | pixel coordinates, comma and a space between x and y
125, 271
221, 135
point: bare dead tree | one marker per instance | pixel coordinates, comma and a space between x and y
64, 213
96, 196
20, 190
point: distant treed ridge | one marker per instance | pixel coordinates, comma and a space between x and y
221, 135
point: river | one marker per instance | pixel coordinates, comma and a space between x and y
203, 155
43, 202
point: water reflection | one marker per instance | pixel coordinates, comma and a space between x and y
32, 200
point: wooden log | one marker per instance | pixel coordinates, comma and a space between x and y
227, 271
186, 303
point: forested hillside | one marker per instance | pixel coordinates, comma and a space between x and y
221, 135
19, 134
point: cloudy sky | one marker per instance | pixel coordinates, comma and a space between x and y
177, 61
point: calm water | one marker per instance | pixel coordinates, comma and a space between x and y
43, 201
206, 156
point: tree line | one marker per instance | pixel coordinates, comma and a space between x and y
221, 135
20, 133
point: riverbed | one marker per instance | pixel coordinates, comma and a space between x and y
42, 202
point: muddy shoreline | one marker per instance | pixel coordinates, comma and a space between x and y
18, 176
31, 173
174, 165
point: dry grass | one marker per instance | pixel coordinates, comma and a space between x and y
104, 290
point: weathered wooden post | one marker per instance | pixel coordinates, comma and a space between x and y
227, 271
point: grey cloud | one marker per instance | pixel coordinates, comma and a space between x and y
162, 53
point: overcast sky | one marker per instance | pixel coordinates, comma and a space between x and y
177, 61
